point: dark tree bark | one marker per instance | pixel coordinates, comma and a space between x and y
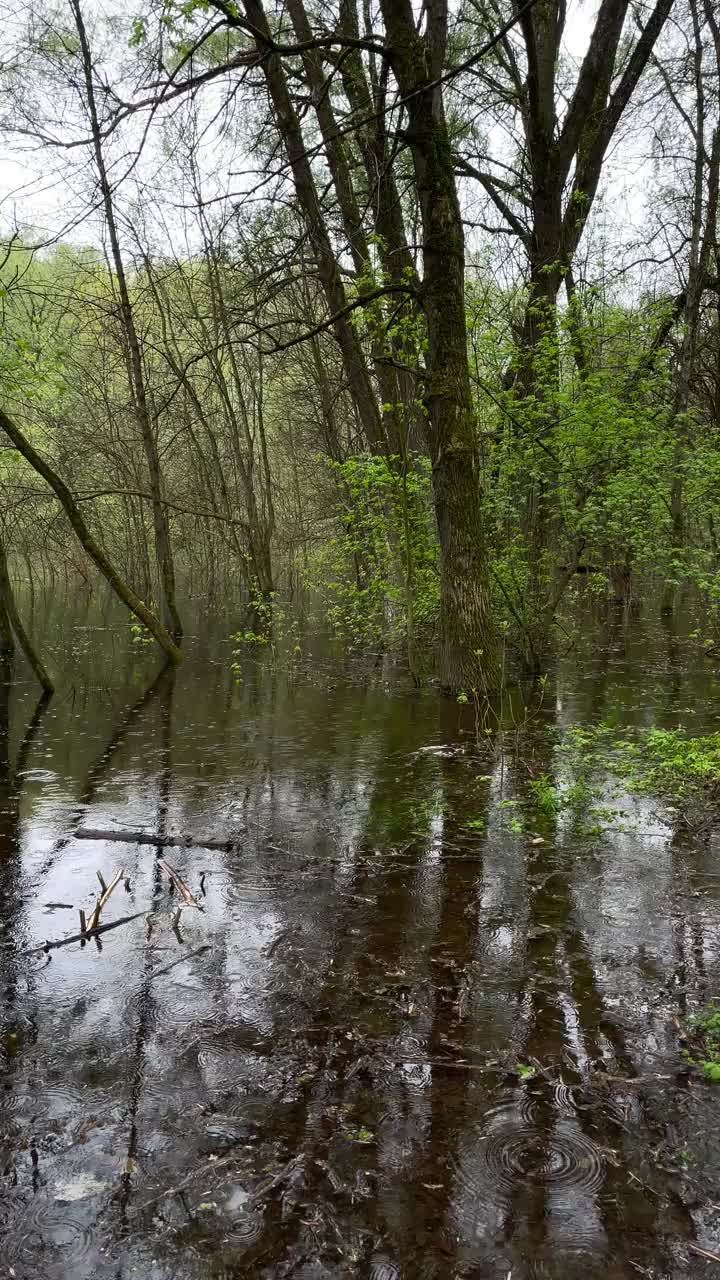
121, 588
352, 218
703, 237
9, 615
288, 125
367, 98
563, 161
467, 644
163, 547
7, 645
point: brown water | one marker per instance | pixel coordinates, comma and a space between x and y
324, 1073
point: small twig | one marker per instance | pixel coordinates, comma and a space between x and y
83, 922
703, 1253
447, 1063
636, 1080
95, 917
278, 941
276, 1181
103, 885
156, 973
645, 1186
197, 1173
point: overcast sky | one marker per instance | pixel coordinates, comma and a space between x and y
38, 193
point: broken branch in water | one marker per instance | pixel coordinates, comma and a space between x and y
261, 1192
703, 1253
277, 1180
155, 973
95, 917
83, 937
191, 1177
179, 884
148, 837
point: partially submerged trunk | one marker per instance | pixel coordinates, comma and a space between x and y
703, 233
9, 616
136, 379
121, 588
468, 655
7, 645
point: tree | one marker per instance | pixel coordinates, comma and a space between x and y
136, 376
123, 591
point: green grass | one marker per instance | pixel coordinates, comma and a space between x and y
704, 1030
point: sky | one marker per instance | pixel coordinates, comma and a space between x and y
46, 198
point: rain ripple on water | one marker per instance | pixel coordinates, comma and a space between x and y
521, 1143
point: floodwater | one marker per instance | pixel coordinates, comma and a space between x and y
401, 1039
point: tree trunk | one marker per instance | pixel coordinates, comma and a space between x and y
468, 655
368, 103
702, 240
122, 590
161, 528
393, 389
288, 125
7, 645
8, 609
703, 231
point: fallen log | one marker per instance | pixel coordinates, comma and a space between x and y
147, 837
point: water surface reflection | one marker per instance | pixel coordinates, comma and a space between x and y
402, 1039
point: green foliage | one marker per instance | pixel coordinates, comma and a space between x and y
273, 631
579, 795
671, 759
668, 763
546, 795
382, 561
394, 330
140, 637
138, 33
704, 1031
362, 1135
396, 819
581, 466
576, 470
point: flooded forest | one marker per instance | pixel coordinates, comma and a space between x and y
359, 640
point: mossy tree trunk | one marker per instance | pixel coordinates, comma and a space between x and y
289, 128
468, 654
7, 645
10, 619
121, 588
703, 240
